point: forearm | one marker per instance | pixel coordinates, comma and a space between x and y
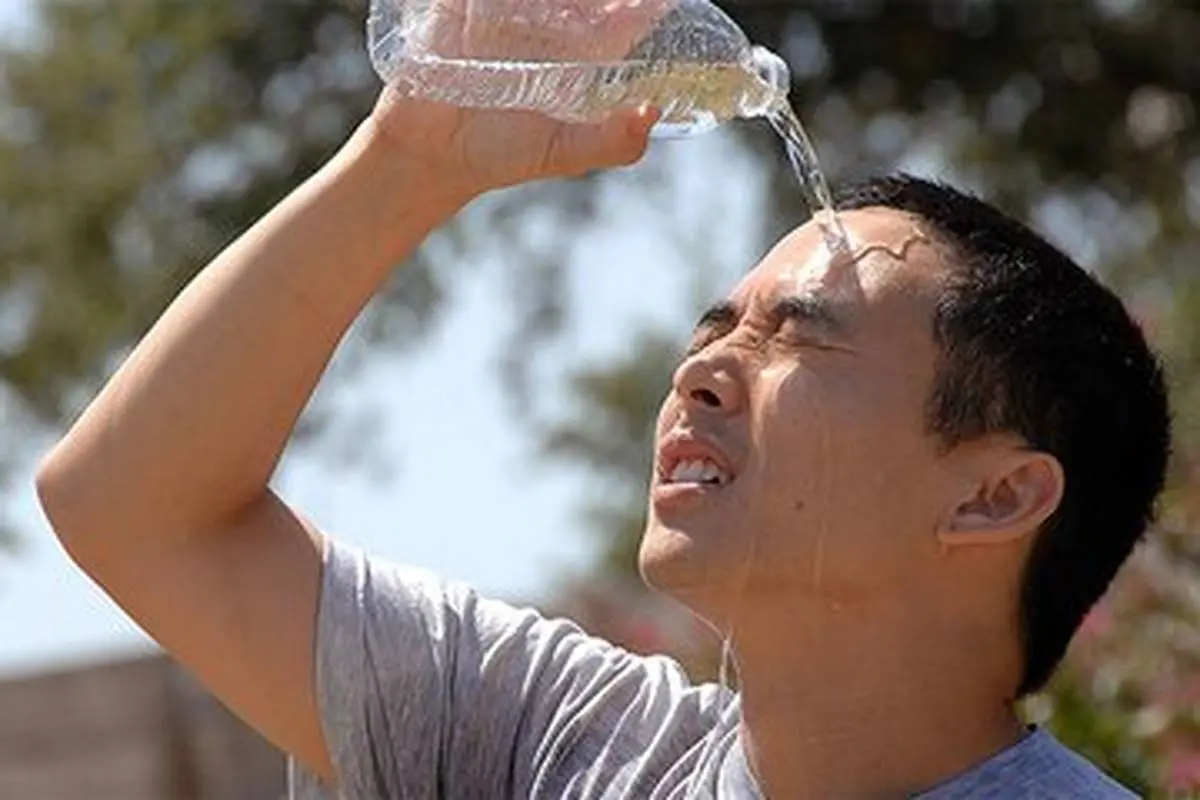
191, 427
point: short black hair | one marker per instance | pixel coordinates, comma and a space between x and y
1030, 343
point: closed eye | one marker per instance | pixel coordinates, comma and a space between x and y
811, 322
806, 340
798, 334
791, 334
799, 322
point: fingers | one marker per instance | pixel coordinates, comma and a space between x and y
619, 141
552, 30
637, 126
628, 22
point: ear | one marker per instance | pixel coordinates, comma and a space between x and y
1009, 500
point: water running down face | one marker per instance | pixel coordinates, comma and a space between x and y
796, 432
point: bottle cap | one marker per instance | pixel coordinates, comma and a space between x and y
772, 69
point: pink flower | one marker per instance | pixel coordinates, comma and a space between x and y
1183, 771
1097, 624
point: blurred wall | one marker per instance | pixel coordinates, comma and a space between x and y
138, 729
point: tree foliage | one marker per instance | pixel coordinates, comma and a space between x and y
139, 137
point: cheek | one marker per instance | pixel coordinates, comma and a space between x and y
668, 412
842, 483
799, 434
834, 448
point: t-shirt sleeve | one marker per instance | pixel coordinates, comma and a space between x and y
428, 690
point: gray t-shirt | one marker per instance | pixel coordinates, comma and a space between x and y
427, 690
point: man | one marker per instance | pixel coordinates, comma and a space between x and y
896, 477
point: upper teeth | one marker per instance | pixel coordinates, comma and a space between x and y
698, 471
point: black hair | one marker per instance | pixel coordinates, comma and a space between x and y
1030, 343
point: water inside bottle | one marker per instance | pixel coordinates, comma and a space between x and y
691, 98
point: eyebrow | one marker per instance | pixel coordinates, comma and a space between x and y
724, 314
811, 310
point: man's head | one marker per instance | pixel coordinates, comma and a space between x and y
957, 418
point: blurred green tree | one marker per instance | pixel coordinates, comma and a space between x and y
139, 137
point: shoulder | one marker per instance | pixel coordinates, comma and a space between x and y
1073, 775
1037, 767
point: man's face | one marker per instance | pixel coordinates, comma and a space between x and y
792, 454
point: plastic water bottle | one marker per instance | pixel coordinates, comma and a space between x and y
578, 60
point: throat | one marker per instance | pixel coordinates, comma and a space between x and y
860, 705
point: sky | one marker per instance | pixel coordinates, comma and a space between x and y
466, 498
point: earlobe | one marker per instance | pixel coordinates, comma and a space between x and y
1008, 504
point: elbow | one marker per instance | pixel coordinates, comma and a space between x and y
100, 511
58, 500
63, 492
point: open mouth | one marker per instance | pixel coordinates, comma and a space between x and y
701, 471
686, 475
690, 466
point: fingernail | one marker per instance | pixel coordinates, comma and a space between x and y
642, 121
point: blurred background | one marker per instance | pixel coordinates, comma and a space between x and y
521, 355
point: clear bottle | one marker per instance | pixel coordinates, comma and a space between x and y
577, 60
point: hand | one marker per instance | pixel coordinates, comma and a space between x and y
535, 30
473, 151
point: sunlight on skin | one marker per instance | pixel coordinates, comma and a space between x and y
834, 274
836, 271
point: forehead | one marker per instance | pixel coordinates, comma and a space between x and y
893, 265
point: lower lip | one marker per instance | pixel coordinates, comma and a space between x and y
674, 495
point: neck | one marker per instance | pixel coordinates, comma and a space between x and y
873, 702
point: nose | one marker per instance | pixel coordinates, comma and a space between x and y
709, 380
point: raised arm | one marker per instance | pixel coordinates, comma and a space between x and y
160, 489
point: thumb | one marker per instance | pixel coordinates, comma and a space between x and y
618, 141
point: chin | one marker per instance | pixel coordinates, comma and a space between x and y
669, 562
663, 553
698, 570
